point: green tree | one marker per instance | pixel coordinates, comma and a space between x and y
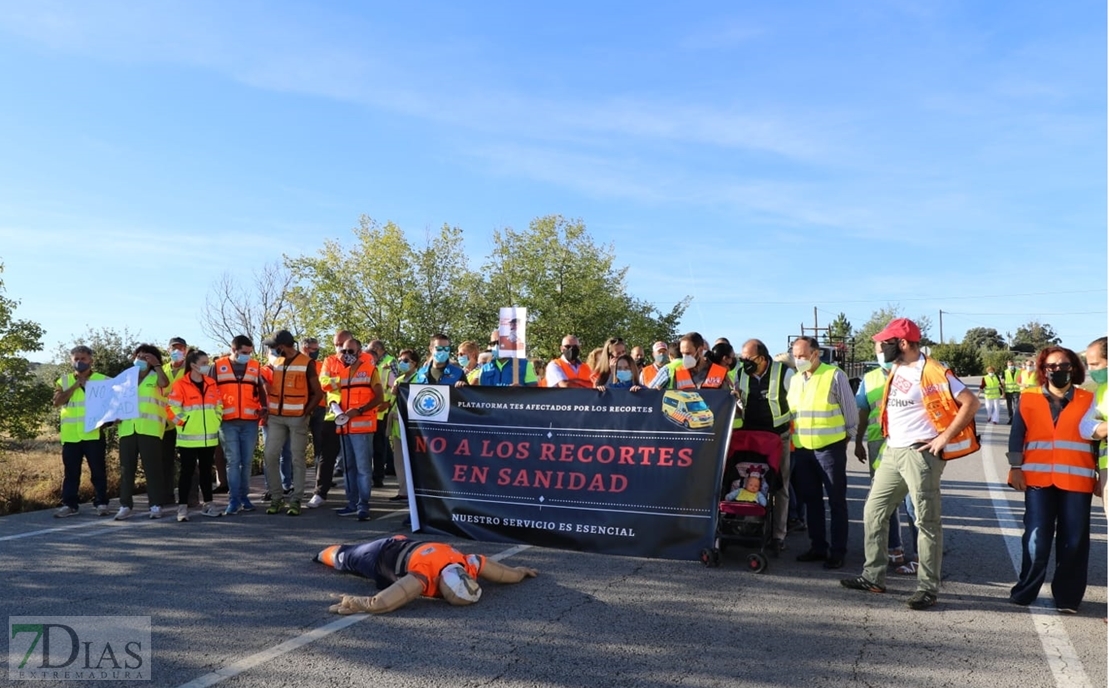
984, 338
880, 318
840, 329
570, 285
996, 358
1034, 336
964, 359
24, 398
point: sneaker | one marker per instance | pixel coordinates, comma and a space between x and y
211, 510
833, 563
364, 515
182, 513
896, 556
399, 498
247, 506
266, 496
156, 512
861, 583
812, 555
921, 600
232, 509
123, 514
294, 508
64, 512
287, 493
1067, 610
221, 489
275, 506
101, 509
346, 511
315, 502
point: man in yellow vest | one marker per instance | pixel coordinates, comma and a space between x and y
388, 373
77, 445
927, 415
1011, 385
174, 369
824, 411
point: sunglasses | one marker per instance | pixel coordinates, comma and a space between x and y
1065, 367
350, 351
444, 348
494, 343
405, 360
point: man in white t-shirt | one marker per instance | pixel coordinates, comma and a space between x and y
911, 460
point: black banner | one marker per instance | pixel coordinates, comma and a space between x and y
614, 472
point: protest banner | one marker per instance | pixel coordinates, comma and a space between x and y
512, 324
110, 400
617, 472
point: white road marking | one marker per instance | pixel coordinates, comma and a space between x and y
1063, 660
247, 663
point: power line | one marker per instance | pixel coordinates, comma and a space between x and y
811, 302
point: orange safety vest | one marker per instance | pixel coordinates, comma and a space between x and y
713, 380
1058, 455
580, 378
356, 388
289, 389
240, 395
649, 373
427, 560
940, 407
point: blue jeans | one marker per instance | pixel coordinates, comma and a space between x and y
357, 450
286, 469
1049, 511
239, 439
820, 472
73, 455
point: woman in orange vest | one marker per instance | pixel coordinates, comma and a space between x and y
1053, 463
195, 407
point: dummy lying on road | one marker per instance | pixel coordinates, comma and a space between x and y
406, 569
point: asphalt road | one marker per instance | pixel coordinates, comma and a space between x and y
237, 601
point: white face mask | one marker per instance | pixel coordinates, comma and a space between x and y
689, 361
802, 364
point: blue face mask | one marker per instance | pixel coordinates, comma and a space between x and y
495, 351
404, 366
885, 365
624, 376
441, 356
141, 364
242, 359
464, 360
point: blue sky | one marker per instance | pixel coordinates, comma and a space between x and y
763, 158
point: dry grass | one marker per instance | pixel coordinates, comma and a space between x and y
31, 475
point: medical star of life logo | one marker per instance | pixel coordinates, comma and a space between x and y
429, 402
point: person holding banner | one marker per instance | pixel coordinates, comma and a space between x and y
694, 370
195, 407
141, 438
625, 374
405, 570
659, 362
468, 356
614, 349
439, 370
79, 446
568, 370
406, 365
498, 372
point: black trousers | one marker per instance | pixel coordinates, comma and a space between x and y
326, 456
190, 457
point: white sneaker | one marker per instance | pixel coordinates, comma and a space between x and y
123, 514
65, 512
182, 513
156, 512
315, 502
210, 510
101, 509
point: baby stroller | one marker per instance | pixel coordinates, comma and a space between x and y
745, 514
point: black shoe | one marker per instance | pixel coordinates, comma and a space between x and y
391, 471
222, 489
812, 555
861, 583
398, 498
775, 546
794, 525
288, 494
266, 496
834, 563
921, 600
378, 482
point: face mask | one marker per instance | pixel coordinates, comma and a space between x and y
748, 365
242, 359
274, 356
572, 352
314, 355
890, 351
689, 361
141, 364
177, 356
404, 366
1099, 376
802, 364
624, 376
81, 366
348, 358
1010, 367
464, 360
885, 365
641, 361
204, 369
659, 358
495, 351
1059, 378
441, 356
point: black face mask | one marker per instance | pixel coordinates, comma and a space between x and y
749, 366
641, 361
890, 351
1059, 378
571, 353
314, 355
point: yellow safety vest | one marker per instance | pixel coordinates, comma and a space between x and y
780, 410
1103, 402
73, 413
1012, 380
152, 410
874, 382
993, 388
173, 375
817, 422
1029, 381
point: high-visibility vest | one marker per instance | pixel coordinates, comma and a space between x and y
579, 378
1029, 381
427, 559
73, 413
941, 409
356, 388
173, 375
992, 387
239, 394
647, 375
474, 375
776, 397
1056, 454
196, 414
1012, 380
1103, 402
874, 382
714, 379
289, 390
817, 421
387, 371
152, 410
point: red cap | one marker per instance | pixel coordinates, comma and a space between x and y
900, 328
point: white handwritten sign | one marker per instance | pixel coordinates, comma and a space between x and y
510, 332
109, 400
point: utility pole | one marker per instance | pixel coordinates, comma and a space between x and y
941, 327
